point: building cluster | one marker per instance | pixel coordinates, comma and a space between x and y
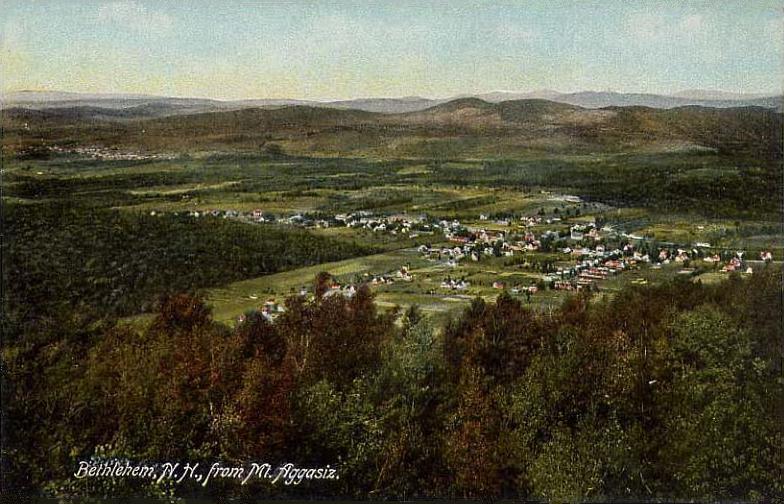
585, 244
455, 284
113, 154
393, 224
586, 273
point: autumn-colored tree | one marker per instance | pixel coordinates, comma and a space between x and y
263, 404
180, 312
321, 285
259, 337
505, 335
335, 337
471, 443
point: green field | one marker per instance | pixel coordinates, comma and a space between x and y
478, 193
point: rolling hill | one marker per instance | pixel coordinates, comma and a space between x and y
464, 127
162, 105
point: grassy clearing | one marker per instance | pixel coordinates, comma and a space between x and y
425, 289
233, 300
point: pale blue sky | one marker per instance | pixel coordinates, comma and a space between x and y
339, 49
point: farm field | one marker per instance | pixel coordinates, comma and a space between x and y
495, 198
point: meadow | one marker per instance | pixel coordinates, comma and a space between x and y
488, 195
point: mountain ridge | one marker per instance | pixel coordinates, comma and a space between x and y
465, 127
388, 105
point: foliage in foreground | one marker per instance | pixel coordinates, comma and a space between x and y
663, 391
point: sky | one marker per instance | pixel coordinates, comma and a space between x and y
334, 49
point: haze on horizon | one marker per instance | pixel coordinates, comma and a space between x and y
239, 49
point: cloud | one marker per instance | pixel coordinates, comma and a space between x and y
135, 16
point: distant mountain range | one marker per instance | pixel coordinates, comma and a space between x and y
712, 94
459, 128
147, 106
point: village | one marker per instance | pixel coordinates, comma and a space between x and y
531, 254
110, 154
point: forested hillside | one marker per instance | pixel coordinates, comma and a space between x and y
118, 264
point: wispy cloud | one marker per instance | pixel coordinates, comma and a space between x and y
135, 16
